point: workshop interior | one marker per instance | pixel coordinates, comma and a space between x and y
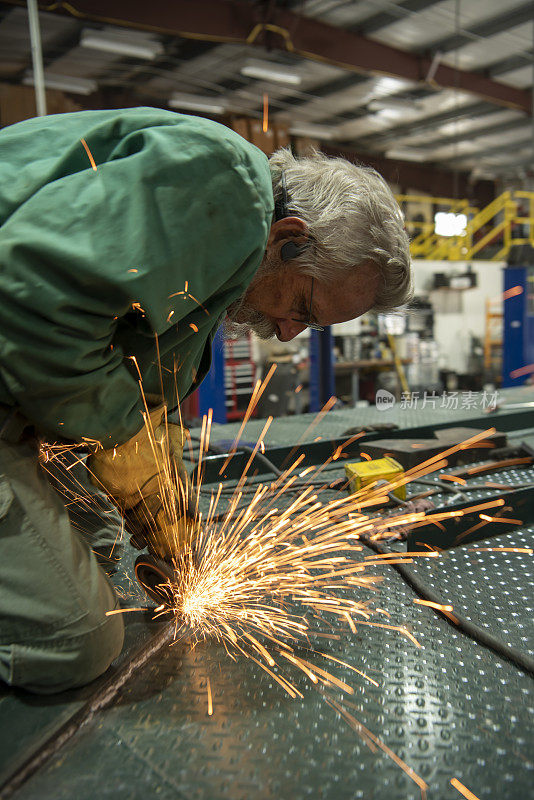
356, 618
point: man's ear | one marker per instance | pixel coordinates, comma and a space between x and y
288, 228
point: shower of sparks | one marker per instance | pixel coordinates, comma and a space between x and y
266, 573
89, 154
463, 789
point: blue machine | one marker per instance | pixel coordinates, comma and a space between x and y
321, 368
518, 325
211, 391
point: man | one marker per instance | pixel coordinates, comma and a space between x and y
125, 238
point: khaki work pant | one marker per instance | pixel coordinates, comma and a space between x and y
54, 633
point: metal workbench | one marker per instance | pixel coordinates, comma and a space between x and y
452, 709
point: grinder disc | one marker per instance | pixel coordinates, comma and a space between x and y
154, 576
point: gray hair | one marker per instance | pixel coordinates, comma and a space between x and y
352, 218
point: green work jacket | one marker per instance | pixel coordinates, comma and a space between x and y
124, 236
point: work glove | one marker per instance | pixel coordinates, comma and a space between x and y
147, 480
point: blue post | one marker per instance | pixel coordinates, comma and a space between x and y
322, 385
517, 324
211, 393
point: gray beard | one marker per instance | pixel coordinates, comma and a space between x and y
249, 320
241, 318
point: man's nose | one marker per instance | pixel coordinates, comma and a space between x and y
287, 329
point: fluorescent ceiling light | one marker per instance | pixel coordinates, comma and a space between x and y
397, 103
390, 113
449, 224
313, 131
401, 154
64, 83
121, 44
193, 102
269, 71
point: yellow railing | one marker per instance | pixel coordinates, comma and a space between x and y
490, 232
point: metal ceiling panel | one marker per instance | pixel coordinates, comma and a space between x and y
459, 129
354, 98
345, 14
487, 28
15, 48
520, 77
484, 52
510, 63
425, 30
445, 106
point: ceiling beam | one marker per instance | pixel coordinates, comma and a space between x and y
242, 22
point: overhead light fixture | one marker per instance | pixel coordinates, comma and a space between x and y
397, 103
449, 224
194, 102
390, 113
311, 131
121, 43
269, 71
64, 83
401, 154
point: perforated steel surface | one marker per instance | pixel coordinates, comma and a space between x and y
450, 709
492, 589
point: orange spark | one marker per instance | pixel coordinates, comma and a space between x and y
408, 554
133, 270
437, 606
463, 789
210, 701
366, 456
501, 519
186, 294
193, 327
399, 628
513, 292
91, 159
526, 370
509, 462
170, 315
299, 388
453, 478
265, 125
124, 611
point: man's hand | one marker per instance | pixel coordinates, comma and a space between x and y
147, 480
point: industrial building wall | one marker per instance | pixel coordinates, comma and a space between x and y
459, 314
